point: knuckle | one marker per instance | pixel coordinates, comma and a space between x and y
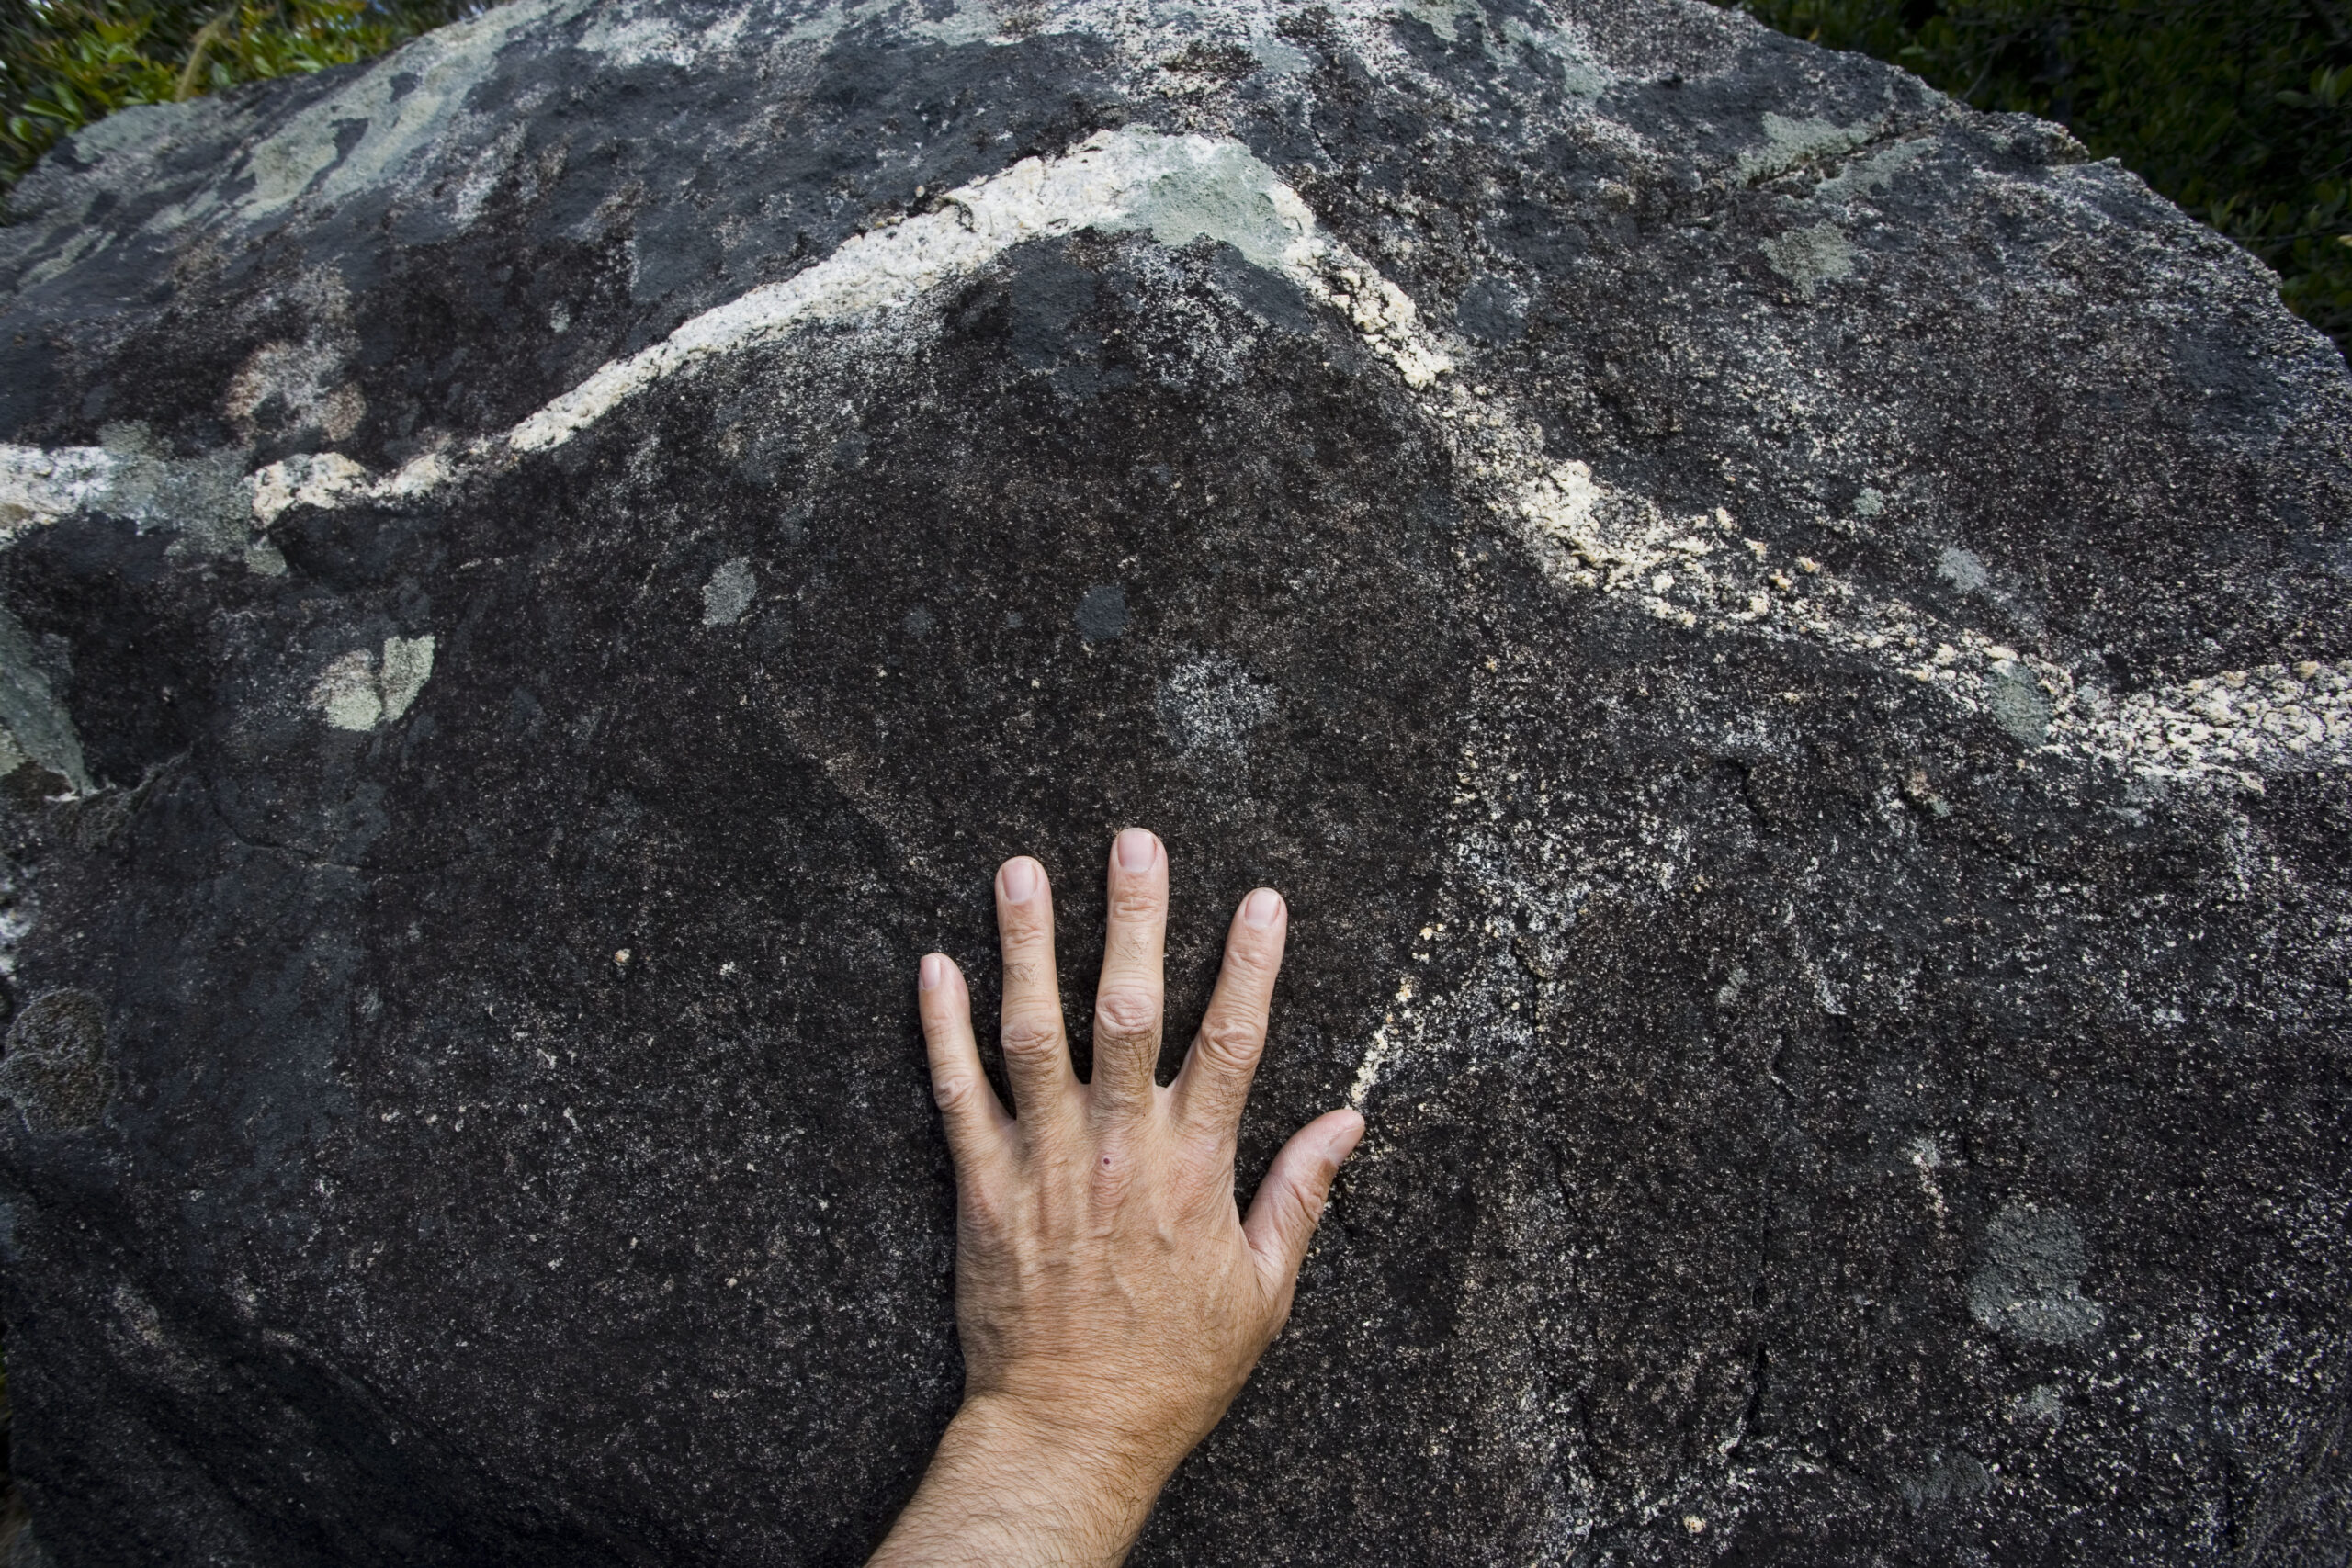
1028, 922
1125, 1011
953, 1093
1029, 1038
1249, 959
980, 1214
1229, 1042
1133, 902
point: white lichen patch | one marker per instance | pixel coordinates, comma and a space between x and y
401, 107
362, 690
1869, 176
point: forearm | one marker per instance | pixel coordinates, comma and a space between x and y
1003, 1493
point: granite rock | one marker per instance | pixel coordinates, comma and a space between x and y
1788, 641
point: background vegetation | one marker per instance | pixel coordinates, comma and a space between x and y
2239, 110
66, 62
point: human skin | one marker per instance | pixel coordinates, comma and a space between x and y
1110, 1297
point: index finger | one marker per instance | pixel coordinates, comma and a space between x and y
1208, 1094
1036, 1056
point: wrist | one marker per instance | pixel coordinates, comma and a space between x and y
1014, 1486
1099, 1460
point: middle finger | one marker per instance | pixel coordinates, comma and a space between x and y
1128, 998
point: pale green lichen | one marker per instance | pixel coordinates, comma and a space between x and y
38, 727
2030, 1285
1788, 143
1811, 257
729, 592
361, 691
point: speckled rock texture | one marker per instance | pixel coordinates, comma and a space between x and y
1787, 641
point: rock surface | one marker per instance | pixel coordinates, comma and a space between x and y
1787, 641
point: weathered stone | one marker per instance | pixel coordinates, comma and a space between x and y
1787, 641
54, 1071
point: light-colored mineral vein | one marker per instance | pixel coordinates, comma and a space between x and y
1692, 572
1179, 188
37, 487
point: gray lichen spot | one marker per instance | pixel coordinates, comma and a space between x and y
1869, 503
34, 726
920, 622
1277, 57
1209, 705
1102, 612
1788, 142
1950, 1478
1964, 569
2016, 702
55, 1071
360, 692
2030, 1284
1439, 16
729, 592
1811, 257
2041, 1405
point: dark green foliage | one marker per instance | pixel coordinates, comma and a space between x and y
66, 62
2239, 110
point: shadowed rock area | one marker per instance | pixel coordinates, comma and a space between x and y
1789, 643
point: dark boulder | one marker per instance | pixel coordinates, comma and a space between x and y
1788, 641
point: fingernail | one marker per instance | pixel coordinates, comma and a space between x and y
1351, 1138
1135, 846
1262, 908
1020, 879
934, 971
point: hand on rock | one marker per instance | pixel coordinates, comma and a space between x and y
1110, 1297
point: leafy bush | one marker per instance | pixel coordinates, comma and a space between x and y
2239, 110
66, 62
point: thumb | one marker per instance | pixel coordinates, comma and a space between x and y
1289, 1200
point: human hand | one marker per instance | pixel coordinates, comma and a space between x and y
1110, 1297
